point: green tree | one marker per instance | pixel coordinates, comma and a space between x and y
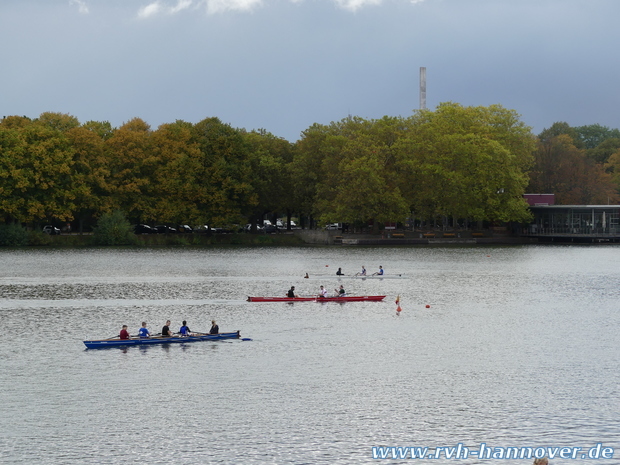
467, 162
328, 159
13, 235
593, 135
102, 128
561, 128
269, 157
360, 188
225, 177
114, 229
604, 150
306, 169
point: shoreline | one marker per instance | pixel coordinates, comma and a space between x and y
303, 238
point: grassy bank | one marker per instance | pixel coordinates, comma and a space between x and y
177, 240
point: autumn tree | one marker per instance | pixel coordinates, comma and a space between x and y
36, 177
564, 170
178, 196
91, 173
224, 175
132, 164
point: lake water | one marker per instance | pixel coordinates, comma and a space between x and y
507, 346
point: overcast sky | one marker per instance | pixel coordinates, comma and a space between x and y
283, 65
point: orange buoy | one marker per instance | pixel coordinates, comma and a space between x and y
428, 306
398, 309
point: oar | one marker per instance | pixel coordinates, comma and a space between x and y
223, 340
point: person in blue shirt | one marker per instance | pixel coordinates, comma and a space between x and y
380, 272
185, 331
143, 332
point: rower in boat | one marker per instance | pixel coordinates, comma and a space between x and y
124, 334
322, 293
361, 273
143, 332
339, 272
114, 342
340, 292
165, 331
380, 272
184, 330
215, 329
291, 292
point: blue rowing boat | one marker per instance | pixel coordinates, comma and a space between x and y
105, 343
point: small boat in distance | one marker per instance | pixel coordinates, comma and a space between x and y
353, 276
134, 341
352, 298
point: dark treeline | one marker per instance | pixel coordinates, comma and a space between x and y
472, 163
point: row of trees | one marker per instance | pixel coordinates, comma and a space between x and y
455, 161
580, 165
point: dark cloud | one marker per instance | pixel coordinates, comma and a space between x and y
284, 65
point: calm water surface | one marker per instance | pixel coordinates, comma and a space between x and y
518, 347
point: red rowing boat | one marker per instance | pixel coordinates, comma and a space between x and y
352, 298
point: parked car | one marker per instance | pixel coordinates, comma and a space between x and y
143, 229
282, 224
205, 229
51, 230
270, 229
248, 228
184, 228
163, 229
334, 226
